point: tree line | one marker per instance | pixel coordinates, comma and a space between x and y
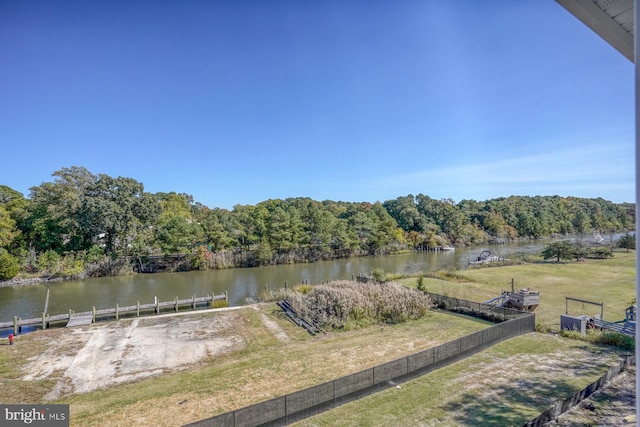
83, 222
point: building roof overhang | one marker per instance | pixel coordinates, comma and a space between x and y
610, 19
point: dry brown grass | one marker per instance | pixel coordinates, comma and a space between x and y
345, 303
262, 367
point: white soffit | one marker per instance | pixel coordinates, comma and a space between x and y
610, 19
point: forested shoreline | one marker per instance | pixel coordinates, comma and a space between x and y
83, 224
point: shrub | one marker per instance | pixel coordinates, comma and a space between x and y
303, 288
220, 303
379, 275
601, 253
199, 258
616, 339
94, 254
71, 266
9, 266
51, 261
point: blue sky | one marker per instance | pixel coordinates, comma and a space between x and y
236, 102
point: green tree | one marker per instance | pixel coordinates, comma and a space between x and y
628, 241
8, 229
559, 250
176, 235
217, 226
177, 231
119, 212
13, 214
406, 214
280, 230
264, 253
582, 222
55, 211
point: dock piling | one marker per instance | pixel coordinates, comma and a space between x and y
46, 302
44, 319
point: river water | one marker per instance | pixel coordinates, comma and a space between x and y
240, 283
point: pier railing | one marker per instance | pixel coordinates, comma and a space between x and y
86, 317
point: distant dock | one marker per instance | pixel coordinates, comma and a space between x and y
113, 313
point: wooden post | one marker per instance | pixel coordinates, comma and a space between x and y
226, 296
157, 305
176, 304
117, 311
285, 284
93, 314
70, 312
44, 322
193, 303
46, 302
137, 308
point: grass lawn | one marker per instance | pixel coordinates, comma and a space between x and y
507, 385
261, 368
611, 281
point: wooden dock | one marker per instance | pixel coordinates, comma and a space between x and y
87, 317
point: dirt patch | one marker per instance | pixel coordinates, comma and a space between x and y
274, 328
103, 355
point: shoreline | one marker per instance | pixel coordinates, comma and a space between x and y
28, 281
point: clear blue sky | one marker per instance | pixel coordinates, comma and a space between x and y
236, 102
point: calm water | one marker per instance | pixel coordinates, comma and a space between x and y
240, 283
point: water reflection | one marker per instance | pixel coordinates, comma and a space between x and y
241, 284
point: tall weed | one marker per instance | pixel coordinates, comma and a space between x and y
347, 304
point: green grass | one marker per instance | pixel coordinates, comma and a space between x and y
262, 369
611, 281
506, 385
